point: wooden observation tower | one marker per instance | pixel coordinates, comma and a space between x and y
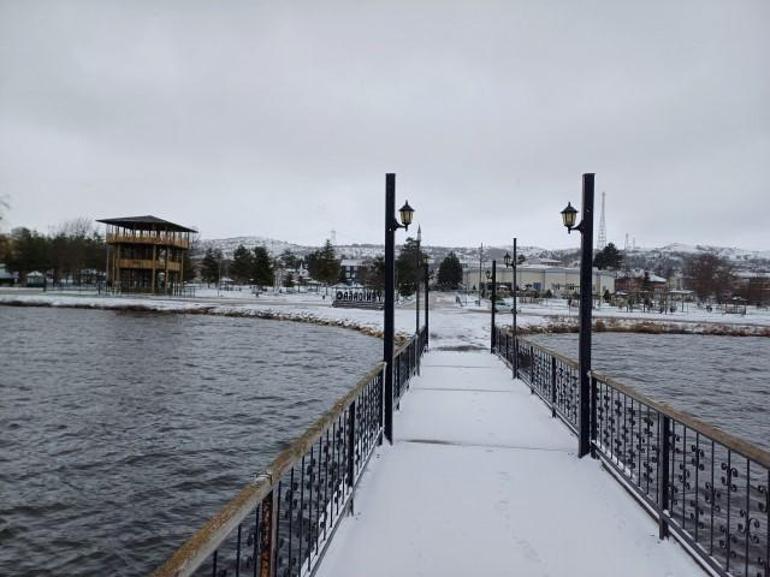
146, 254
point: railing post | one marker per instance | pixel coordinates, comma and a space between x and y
382, 405
268, 535
351, 472
553, 386
594, 402
515, 356
417, 340
531, 369
663, 479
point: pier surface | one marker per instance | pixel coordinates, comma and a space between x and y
481, 480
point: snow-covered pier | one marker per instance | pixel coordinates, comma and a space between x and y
481, 480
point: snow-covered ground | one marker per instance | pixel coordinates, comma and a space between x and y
482, 481
455, 321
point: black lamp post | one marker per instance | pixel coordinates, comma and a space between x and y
586, 228
417, 282
493, 276
391, 225
427, 302
512, 262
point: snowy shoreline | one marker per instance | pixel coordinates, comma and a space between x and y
452, 325
164, 307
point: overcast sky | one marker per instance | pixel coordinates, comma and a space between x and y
280, 119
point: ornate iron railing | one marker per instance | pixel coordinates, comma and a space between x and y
280, 524
707, 487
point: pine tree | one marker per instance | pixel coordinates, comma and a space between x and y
211, 265
374, 273
289, 260
242, 267
407, 267
323, 264
450, 272
262, 267
608, 258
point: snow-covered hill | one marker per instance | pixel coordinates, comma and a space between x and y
669, 256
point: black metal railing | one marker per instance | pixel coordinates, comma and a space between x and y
708, 488
280, 524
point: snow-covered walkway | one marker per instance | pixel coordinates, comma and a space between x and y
482, 481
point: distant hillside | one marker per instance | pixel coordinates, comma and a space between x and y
663, 260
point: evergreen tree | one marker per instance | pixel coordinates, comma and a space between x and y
30, 251
450, 272
289, 260
262, 267
608, 258
407, 273
211, 265
242, 267
323, 264
374, 273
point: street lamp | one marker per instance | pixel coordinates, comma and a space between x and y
586, 228
493, 275
417, 272
511, 262
391, 226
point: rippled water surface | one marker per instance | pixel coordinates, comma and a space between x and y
724, 381
121, 432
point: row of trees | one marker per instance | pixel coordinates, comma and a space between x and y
255, 266
246, 267
73, 251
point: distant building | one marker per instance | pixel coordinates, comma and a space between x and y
6, 278
146, 254
561, 281
35, 279
642, 283
754, 287
351, 270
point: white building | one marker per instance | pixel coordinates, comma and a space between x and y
561, 281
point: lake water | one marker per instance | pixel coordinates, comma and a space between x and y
120, 433
724, 381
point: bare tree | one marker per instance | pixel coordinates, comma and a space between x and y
709, 275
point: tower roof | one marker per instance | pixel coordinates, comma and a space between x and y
145, 222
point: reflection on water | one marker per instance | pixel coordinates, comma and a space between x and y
724, 381
122, 432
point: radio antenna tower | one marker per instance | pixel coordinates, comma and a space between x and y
602, 228
333, 237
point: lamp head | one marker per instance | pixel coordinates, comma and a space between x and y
407, 213
568, 216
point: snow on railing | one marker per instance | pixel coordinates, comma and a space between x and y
708, 488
